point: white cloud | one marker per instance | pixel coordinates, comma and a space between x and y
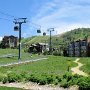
64, 15
65, 27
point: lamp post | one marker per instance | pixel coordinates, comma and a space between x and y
18, 28
50, 43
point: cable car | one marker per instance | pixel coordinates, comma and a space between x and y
16, 28
38, 31
44, 34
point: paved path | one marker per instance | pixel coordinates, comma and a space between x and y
21, 62
76, 70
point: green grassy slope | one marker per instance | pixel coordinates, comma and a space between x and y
80, 33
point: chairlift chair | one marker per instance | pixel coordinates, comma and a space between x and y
38, 31
16, 28
44, 34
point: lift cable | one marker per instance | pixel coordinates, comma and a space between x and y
6, 14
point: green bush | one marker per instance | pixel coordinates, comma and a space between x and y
23, 74
13, 77
59, 78
42, 80
1, 77
56, 53
68, 76
50, 79
32, 78
45, 52
84, 82
64, 83
5, 80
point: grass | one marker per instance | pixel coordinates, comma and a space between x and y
86, 62
8, 51
24, 56
43, 72
10, 88
53, 65
50, 71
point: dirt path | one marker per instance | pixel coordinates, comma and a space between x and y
76, 70
21, 62
33, 86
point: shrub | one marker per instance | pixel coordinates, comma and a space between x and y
42, 80
1, 77
5, 80
64, 83
56, 53
23, 74
67, 76
84, 82
59, 78
45, 52
55, 82
32, 77
13, 77
50, 79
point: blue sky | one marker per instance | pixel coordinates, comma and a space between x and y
63, 15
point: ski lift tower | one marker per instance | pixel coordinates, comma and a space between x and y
19, 21
50, 43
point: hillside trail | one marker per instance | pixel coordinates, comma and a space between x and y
76, 70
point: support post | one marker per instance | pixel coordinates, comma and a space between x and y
19, 21
19, 57
50, 43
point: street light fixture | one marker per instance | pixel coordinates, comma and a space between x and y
50, 43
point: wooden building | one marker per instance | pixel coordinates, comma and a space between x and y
39, 47
79, 48
9, 42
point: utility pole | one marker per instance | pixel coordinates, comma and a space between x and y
50, 43
19, 21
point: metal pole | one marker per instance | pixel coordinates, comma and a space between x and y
19, 21
50, 47
50, 43
19, 57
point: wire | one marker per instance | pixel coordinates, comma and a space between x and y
5, 19
6, 14
35, 25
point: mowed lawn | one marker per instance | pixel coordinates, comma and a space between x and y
57, 65
86, 62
